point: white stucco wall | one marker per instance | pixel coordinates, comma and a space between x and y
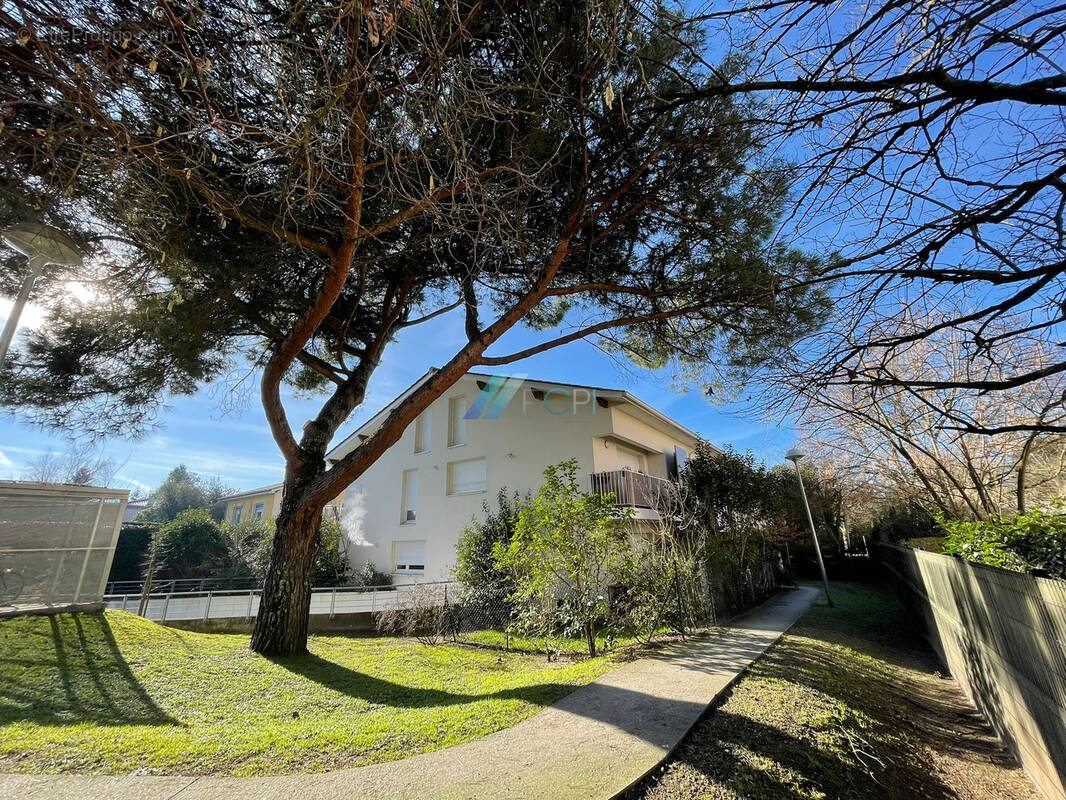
517, 447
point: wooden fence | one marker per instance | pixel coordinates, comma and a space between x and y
1002, 635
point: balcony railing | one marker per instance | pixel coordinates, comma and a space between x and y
630, 488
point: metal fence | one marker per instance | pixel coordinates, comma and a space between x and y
171, 585
244, 604
631, 488
57, 541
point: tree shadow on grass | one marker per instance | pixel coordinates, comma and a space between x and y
641, 714
899, 680
931, 708
759, 760
85, 680
813, 719
378, 691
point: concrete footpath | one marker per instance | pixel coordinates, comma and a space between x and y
594, 743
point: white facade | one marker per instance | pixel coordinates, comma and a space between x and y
409, 508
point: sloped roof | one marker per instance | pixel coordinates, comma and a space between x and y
274, 487
601, 391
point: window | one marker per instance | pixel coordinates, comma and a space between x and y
456, 423
680, 457
237, 514
410, 495
422, 432
466, 477
257, 511
410, 556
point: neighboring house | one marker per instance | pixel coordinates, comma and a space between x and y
406, 512
135, 507
255, 504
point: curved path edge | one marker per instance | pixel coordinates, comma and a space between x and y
594, 743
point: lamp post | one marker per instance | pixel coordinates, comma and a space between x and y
794, 456
42, 245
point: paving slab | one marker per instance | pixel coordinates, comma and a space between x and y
594, 743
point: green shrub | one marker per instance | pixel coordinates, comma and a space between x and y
486, 585
661, 587
567, 548
748, 513
905, 521
369, 575
193, 545
1036, 540
131, 552
331, 565
931, 544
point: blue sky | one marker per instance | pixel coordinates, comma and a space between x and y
222, 431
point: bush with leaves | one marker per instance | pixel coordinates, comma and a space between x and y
747, 512
193, 545
331, 563
661, 588
486, 585
566, 549
1036, 540
665, 582
370, 575
131, 551
907, 520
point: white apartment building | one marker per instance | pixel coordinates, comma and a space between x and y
410, 507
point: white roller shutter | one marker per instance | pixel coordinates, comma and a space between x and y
465, 477
410, 556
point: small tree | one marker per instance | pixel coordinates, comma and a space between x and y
182, 490
566, 548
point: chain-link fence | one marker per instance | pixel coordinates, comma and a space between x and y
439, 611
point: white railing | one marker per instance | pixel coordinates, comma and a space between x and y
233, 604
630, 488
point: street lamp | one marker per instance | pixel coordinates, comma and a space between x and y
42, 245
794, 456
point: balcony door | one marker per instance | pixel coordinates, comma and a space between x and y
630, 459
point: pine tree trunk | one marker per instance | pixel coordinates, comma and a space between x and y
281, 625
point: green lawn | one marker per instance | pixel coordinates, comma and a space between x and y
574, 646
114, 693
848, 705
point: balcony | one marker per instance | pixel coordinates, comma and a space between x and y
630, 488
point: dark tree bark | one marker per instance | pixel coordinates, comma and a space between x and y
281, 624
